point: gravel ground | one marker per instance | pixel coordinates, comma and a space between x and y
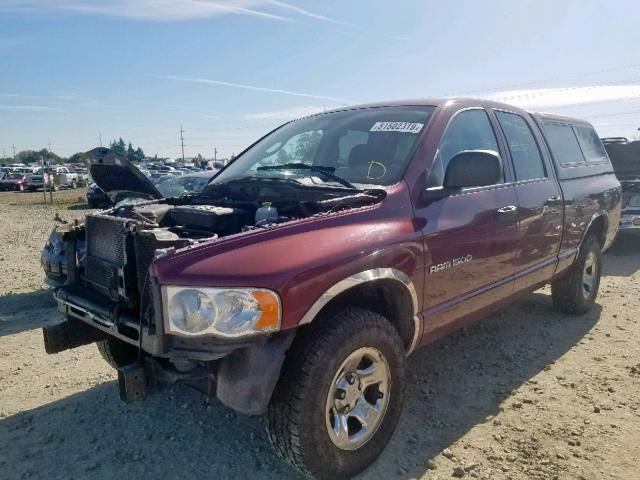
526, 393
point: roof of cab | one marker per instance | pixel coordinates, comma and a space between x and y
460, 101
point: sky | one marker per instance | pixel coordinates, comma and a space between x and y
228, 71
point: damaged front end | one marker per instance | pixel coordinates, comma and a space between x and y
630, 215
109, 290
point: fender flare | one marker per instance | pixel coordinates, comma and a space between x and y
363, 277
605, 215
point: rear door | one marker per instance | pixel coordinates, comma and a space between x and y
539, 215
470, 237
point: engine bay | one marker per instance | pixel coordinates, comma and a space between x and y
235, 207
114, 249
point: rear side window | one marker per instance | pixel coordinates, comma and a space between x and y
525, 154
563, 144
591, 145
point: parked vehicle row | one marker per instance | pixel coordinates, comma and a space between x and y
298, 280
23, 179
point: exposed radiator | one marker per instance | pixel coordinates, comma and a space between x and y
106, 264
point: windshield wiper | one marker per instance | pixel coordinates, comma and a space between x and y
326, 171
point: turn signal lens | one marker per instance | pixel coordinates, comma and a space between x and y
270, 310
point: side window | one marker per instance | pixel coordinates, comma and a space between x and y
524, 150
468, 130
563, 144
591, 145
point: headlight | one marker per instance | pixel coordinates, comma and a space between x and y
221, 312
634, 201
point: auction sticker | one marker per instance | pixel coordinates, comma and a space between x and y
405, 127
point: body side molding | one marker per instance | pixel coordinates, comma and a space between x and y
357, 279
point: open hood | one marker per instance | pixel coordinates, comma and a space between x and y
118, 177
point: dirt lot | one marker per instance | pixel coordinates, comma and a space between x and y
527, 393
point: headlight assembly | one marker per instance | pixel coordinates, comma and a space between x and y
221, 312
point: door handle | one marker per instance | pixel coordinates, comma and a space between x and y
554, 200
508, 209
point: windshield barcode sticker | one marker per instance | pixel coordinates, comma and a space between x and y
405, 127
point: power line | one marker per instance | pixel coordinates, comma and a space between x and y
182, 142
552, 79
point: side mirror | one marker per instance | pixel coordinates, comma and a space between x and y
473, 168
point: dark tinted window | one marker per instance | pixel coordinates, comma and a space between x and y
525, 154
347, 142
591, 145
468, 130
564, 144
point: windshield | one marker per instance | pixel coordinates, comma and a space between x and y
364, 146
15, 176
177, 186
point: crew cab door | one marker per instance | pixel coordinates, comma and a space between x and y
539, 215
470, 237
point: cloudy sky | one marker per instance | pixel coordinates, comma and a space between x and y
230, 70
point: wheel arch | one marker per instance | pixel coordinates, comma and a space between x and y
599, 226
387, 291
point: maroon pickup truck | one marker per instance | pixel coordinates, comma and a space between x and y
298, 281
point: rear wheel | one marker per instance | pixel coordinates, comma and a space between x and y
339, 396
116, 352
576, 291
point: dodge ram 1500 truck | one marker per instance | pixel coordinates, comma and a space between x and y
299, 280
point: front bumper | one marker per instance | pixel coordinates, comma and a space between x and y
114, 319
241, 374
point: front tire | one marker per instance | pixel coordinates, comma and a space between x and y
339, 396
116, 352
576, 291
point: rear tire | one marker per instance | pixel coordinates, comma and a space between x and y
360, 348
576, 291
116, 352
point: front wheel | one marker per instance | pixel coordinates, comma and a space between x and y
339, 396
116, 352
576, 291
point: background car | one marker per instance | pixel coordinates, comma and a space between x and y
188, 183
96, 198
14, 181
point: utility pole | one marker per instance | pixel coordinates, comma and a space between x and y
100, 139
182, 142
14, 153
215, 154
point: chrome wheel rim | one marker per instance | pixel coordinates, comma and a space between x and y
358, 398
589, 275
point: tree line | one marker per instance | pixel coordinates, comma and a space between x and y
35, 156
